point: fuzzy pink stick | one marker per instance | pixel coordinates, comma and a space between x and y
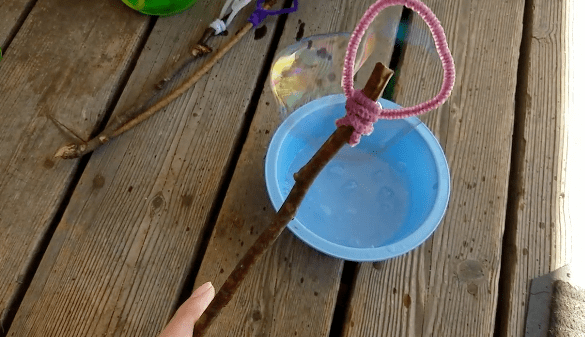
362, 119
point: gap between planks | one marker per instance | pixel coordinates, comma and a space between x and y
516, 179
124, 79
350, 268
31, 269
542, 236
398, 52
4, 45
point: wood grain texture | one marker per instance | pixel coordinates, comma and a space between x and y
12, 13
292, 290
118, 259
573, 105
449, 285
66, 62
541, 237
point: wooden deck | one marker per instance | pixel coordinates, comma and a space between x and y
110, 244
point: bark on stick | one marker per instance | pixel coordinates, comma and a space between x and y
303, 180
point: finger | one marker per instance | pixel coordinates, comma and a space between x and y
181, 325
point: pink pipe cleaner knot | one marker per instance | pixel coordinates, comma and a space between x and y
361, 113
364, 125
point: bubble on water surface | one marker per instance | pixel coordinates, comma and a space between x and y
336, 169
350, 185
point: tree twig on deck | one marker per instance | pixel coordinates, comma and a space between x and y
303, 180
134, 116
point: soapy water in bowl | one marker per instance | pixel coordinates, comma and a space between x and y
358, 200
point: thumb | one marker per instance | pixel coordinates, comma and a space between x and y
181, 325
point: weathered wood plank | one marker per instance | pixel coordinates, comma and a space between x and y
540, 227
293, 289
449, 285
11, 13
119, 258
66, 62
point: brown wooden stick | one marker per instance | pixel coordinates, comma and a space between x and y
174, 72
200, 49
303, 180
129, 119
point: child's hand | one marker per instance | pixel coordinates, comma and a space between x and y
181, 325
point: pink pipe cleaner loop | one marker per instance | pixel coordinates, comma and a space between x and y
357, 116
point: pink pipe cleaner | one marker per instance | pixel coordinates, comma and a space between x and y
361, 111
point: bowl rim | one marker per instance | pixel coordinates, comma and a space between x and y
381, 253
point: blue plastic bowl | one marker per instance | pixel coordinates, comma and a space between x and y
372, 202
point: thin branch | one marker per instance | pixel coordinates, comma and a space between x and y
130, 118
171, 74
303, 180
63, 128
200, 49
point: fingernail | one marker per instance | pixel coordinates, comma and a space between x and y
202, 290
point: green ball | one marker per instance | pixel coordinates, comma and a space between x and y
160, 7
